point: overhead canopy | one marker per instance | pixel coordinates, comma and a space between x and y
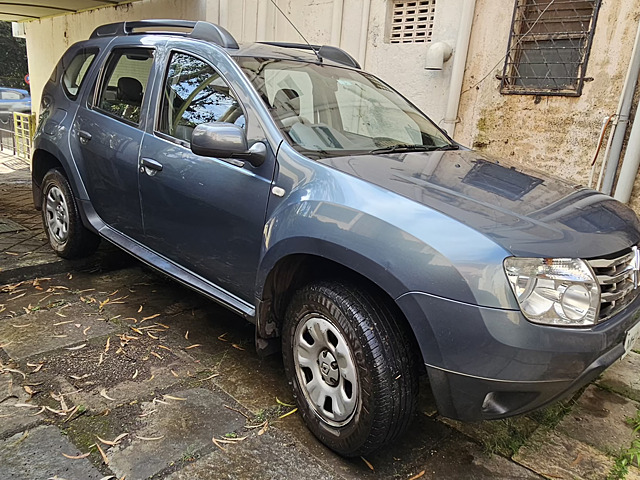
16, 11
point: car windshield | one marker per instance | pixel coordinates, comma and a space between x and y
331, 111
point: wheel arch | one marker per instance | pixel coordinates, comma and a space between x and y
46, 159
287, 273
41, 162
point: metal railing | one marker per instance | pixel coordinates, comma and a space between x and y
24, 125
7, 138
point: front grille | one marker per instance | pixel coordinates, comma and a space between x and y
615, 276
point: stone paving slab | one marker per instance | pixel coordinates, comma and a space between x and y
271, 456
127, 391
624, 377
14, 419
37, 454
555, 455
459, 458
599, 419
25, 252
36, 333
182, 426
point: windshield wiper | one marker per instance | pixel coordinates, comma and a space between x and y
401, 147
453, 146
404, 147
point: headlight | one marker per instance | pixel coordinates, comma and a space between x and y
555, 291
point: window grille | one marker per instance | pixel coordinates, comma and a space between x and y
412, 22
549, 47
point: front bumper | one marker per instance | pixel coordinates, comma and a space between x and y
487, 363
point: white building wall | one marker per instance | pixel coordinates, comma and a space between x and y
343, 23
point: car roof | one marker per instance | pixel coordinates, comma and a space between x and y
209, 32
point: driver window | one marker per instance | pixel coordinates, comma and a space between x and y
195, 93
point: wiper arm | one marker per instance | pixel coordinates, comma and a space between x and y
401, 147
404, 147
452, 146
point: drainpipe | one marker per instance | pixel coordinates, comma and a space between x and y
630, 164
624, 108
336, 22
459, 62
364, 33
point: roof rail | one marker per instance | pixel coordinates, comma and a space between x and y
199, 30
334, 54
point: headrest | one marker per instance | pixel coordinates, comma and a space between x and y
286, 102
129, 90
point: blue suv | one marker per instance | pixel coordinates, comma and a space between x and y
311, 198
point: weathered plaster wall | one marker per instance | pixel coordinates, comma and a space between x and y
559, 134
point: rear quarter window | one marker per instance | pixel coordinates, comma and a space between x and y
75, 72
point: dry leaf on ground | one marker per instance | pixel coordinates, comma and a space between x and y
76, 457
368, 463
103, 393
150, 439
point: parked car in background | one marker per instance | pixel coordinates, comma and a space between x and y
13, 100
311, 198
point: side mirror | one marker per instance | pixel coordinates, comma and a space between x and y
226, 140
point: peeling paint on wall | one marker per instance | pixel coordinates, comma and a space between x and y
558, 135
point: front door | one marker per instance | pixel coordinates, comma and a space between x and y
206, 214
106, 139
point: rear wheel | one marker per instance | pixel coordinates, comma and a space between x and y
67, 235
351, 367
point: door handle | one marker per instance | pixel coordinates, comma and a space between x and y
150, 166
84, 136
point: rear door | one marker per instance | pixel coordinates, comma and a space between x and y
107, 134
206, 214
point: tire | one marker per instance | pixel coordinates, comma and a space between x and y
340, 343
67, 235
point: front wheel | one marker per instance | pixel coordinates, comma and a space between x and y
351, 366
67, 235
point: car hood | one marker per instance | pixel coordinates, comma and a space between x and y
525, 211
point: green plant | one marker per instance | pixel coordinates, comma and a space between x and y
627, 457
504, 438
551, 416
634, 422
189, 454
261, 416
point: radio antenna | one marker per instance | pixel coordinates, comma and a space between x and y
299, 33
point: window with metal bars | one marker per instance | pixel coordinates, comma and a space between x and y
549, 47
412, 21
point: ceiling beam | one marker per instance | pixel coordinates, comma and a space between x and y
17, 15
35, 5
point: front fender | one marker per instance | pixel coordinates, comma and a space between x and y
393, 252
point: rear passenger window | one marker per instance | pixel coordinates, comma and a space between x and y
125, 82
75, 72
195, 93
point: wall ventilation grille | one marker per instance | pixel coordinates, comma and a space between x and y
412, 22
